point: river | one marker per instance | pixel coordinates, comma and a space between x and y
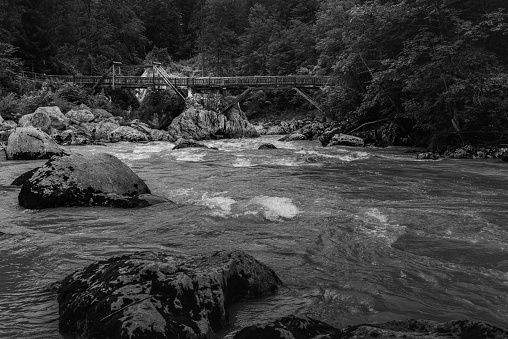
356, 234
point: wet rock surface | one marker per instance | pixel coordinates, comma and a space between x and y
93, 180
30, 143
267, 146
157, 295
189, 143
293, 327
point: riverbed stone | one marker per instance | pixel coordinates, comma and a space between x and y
101, 114
78, 115
267, 146
30, 143
58, 119
85, 180
38, 119
159, 295
127, 133
188, 143
346, 140
103, 129
294, 327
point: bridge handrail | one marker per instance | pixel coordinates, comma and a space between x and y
260, 80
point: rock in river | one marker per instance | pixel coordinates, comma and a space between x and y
157, 295
30, 143
293, 327
93, 180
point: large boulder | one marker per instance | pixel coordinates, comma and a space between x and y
126, 133
92, 180
79, 116
293, 327
158, 295
346, 140
6, 129
275, 130
30, 143
101, 114
38, 119
103, 129
158, 135
58, 119
200, 124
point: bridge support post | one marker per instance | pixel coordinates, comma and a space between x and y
118, 64
308, 98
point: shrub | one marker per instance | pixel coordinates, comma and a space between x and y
9, 107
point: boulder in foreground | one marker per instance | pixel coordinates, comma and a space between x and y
157, 295
29, 143
92, 180
293, 327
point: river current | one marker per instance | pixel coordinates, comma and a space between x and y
356, 234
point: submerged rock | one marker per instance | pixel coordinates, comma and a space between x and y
293, 327
30, 143
92, 180
157, 295
267, 146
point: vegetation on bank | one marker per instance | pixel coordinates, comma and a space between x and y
437, 70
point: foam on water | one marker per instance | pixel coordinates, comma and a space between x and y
189, 156
348, 157
221, 206
377, 225
274, 208
154, 147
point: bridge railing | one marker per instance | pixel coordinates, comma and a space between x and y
138, 81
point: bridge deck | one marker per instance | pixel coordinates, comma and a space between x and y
195, 82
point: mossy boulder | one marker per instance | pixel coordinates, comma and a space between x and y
158, 295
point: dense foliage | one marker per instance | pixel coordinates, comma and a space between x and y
437, 68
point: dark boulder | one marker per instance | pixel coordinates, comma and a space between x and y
417, 329
92, 180
290, 327
293, 327
504, 157
267, 146
19, 181
158, 295
29, 143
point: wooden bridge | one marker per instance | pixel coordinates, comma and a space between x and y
158, 78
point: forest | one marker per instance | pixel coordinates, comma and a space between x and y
438, 68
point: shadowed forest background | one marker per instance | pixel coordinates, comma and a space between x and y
436, 68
